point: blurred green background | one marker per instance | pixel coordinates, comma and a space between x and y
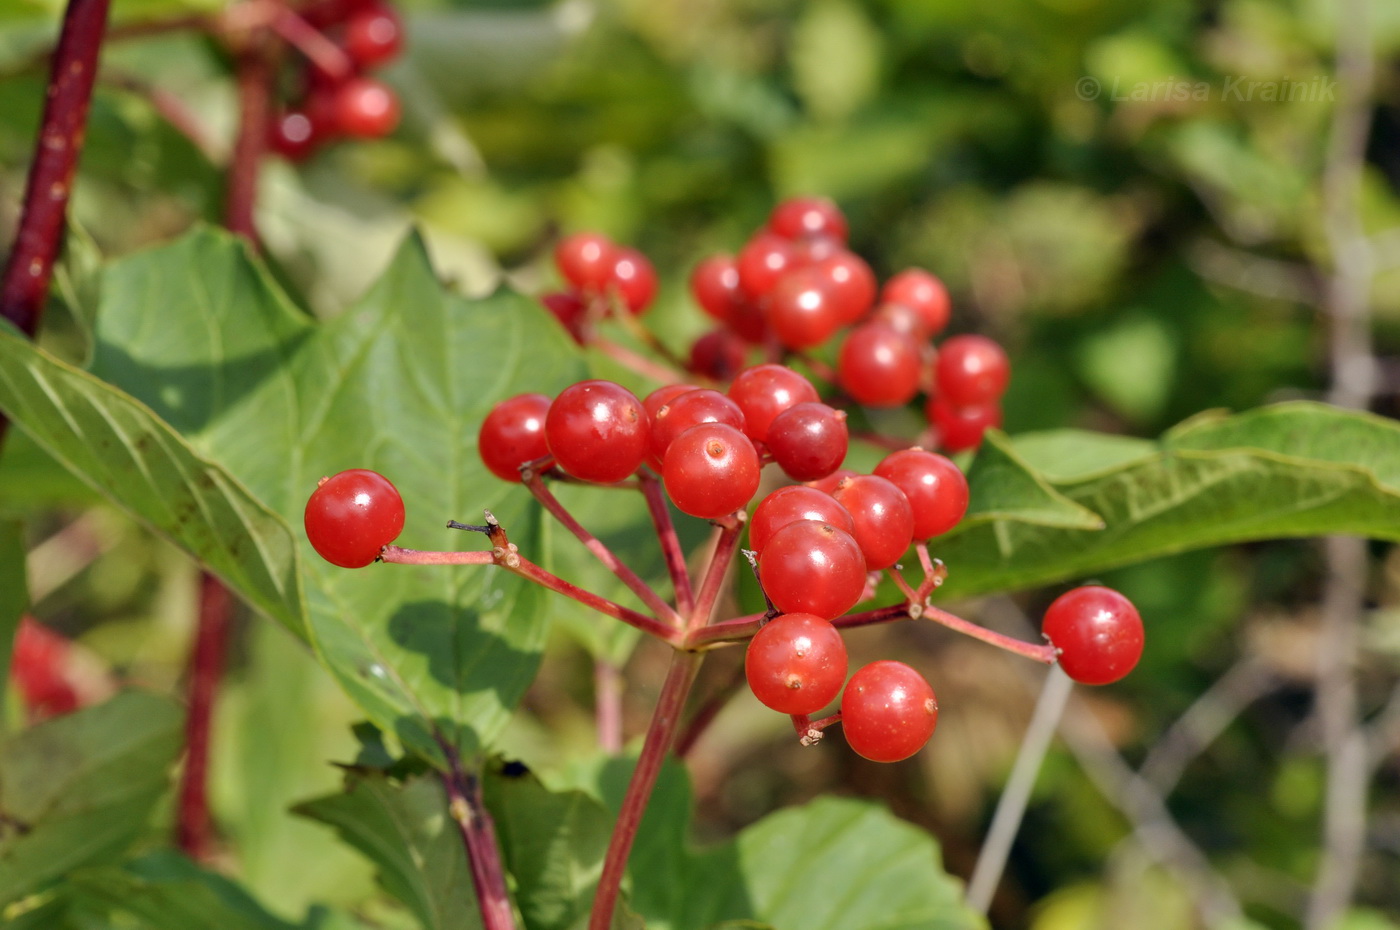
1128, 195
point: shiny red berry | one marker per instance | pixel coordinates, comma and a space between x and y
353, 515
597, 430
513, 434
888, 711
936, 488
1098, 633
796, 663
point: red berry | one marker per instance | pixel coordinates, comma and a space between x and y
808, 440
353, 515
634, 279
294, 135
373, 36
38, 667
971, 370
569, 309
1098, 633
935, 487
811, 567
961, 428
884, 521
790, 504
711, 470
924, 294
888, 711
714, 283
831, 482
719, 355
366, 109
764, 391
878, 366
801, 310
799, 217
796, 663
682, 412
663, 396
597, 431
762, 261
513, 434
586, 260
851, 284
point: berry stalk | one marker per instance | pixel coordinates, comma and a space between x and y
661, 733
194, 831
720, 558
25, 284
468, 809
670, 542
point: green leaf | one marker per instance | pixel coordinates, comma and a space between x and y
116, 444
77, 790
14, 598
406, 831
832, 864
553, 844
1004, 488
166, 891
398, 383
1291, 470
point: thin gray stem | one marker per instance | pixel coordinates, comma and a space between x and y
1011, 806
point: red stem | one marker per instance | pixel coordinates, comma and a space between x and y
254, 79
465, 803
1043, 653
670, 542
660, 735
635, 584
323, 54
710, 586
25, 285
194, 832
607, 704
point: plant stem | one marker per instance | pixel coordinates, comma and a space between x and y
635, 584
25, 285
607, 703
720, 559
512, 561
1041, 653
253, 75
194, 831
660, 734
465, 803
670, 542
1011, 806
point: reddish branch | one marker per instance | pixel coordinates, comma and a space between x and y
468, 809
25, 285
194, 832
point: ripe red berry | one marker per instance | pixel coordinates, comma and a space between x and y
971, 370
790, 504
714, 283
851, 284
586, 260
796, 663
801, 310
711, 470
513, 434
924, 294
569, 309
719, 355
683, 411
634, 279
808, 440
831, 482
811, 567
936, 489
1098, 633
663, 396
888, 711
884, 521
38, 667
597, 431
878, 366
366, 109
352, 515
799, 217
373, 36
294, 135
762, 262
961, 428
764, 391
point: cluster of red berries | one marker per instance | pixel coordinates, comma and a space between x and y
793, 287
818, 542
332, 94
